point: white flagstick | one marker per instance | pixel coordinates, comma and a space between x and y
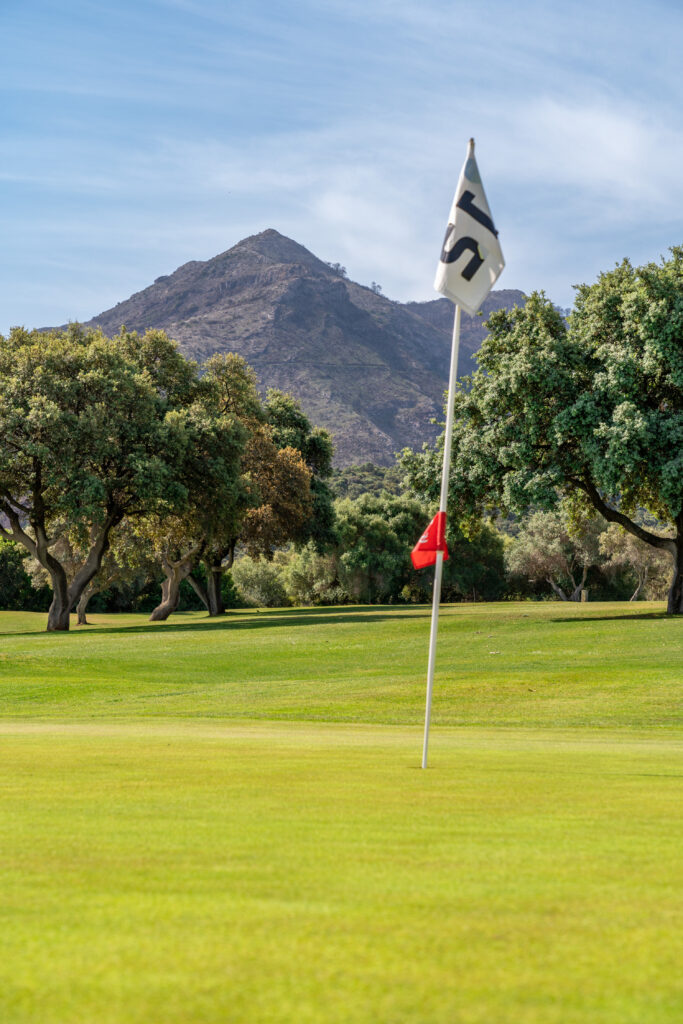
452, 378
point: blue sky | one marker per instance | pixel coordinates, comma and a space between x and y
140, 135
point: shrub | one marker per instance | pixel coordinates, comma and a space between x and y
259, 583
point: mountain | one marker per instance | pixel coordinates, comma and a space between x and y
439, 313
370, 370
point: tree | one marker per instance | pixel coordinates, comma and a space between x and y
547, 549
338, 269
291, 428
217, 496
370, 560
376, 536
592, 409
260, 582
235, 392
648, 565
309, 577
127, 562
92, 429
285, 501
279, 499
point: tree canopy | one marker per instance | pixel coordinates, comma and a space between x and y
92, 429
547, 548
283, 464
592, 409
291, 428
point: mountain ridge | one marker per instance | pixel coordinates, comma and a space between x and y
369, 369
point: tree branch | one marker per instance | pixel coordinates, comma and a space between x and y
558, 590
19, 534
200, 590
613, 516
92, 563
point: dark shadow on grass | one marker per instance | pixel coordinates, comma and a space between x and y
656, 775
243, 620
610, 618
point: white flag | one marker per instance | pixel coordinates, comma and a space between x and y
471, 258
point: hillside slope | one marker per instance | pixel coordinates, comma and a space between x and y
371, 370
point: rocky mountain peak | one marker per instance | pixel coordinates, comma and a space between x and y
371, 370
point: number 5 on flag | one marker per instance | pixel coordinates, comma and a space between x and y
471, 259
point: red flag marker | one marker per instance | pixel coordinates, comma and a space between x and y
431, 541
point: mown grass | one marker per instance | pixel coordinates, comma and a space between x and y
228, 823
611, 665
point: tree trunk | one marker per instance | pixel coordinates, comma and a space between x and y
81, 607
675, 603
214, 586
673, 545
58, 614
216, 561
210, 595
200, 590
558, 590
91, 566
170, 595
67, 597
176, 572
578, 587
642, 580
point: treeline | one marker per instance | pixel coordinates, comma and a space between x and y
364, 557
121, 466
542, 556
131, 478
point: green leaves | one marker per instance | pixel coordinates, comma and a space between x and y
95, 429
554, 407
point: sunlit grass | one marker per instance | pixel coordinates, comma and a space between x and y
208, 824
512, 664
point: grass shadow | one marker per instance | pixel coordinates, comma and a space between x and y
239, 620
612, 618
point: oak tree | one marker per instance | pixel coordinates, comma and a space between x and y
284, 464
547, 549
92, 429
591, 408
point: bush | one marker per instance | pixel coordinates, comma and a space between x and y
371, 564
259, 583
309, 577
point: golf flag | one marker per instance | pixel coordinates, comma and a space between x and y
431, 541
471, 262
471, 259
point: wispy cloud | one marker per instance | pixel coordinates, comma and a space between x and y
165, 132
627, 156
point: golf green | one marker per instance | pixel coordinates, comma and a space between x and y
225, 823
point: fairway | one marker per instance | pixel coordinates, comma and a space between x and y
548, 664
226, 822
